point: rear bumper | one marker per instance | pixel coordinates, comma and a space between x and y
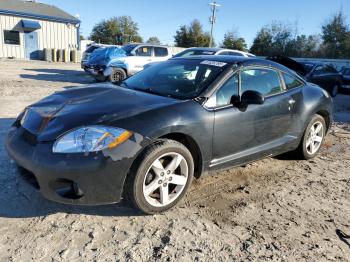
91, 179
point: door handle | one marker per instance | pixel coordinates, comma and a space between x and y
291, 101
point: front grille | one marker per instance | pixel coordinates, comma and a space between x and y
29, 137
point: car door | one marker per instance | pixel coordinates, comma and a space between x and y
319, 77
141, 55
332, 75
346, 78
244, 134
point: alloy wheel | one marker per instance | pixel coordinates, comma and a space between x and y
116, 77
314, 138
166, 178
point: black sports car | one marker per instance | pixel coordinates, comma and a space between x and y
146, 139
345, 72
326, 76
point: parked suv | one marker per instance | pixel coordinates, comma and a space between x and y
137, 55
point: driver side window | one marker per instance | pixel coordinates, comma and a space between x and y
226, 91
265, 81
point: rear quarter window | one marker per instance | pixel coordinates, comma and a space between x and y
291, 82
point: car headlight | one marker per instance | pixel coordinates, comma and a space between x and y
91, 139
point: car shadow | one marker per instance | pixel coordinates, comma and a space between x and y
20, 200
59, 75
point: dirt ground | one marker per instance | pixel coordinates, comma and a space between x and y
273, 210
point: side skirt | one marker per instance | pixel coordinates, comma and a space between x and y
273, 148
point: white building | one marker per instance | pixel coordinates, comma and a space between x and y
27, 27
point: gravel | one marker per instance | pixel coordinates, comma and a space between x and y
272, 210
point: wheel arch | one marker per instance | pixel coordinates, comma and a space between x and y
326, 117
192, 146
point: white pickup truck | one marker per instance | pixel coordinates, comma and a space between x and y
137, 55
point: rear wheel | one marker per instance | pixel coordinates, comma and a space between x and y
117, 75
161, 178
313, 137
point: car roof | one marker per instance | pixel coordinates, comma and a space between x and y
238, 60
154, 45
213, 49
231, 59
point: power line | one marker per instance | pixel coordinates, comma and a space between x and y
212, 20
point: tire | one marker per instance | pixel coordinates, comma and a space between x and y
305, 148
117, 75
151, 172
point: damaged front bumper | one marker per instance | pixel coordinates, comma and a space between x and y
75, 178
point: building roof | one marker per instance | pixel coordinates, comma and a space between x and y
32, 9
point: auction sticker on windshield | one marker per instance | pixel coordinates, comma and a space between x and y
213, 63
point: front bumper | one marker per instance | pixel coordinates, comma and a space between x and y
94, 70
82, 179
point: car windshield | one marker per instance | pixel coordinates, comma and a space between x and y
91, 48
128, 48
191, 52
178, 78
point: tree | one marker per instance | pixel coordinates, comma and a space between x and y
232, 41
304, 46
116, 30
81, 37
192, 35
153, 40
280, 39
335, 35
262, 44
347, 46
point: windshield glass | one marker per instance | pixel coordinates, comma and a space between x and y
128, 48
91, 48
182, 79
194, 52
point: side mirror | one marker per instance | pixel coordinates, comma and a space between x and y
251, 97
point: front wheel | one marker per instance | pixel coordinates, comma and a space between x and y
313, 137
163, 175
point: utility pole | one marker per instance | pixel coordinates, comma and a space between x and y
212, 20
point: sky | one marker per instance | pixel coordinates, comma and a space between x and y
162, 18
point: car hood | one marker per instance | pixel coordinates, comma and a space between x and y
99, 104
289, 63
